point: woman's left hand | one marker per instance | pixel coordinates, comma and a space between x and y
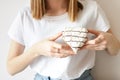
100, 42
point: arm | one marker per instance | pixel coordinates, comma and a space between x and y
18, 60
113, 46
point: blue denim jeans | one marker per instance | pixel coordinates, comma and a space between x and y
85, 76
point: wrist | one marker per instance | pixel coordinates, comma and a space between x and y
33, 52
113, 46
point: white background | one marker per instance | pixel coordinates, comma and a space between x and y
107, 67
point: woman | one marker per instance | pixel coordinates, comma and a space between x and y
39, 30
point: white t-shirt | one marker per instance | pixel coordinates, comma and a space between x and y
27, 31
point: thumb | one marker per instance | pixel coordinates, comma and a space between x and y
94, 41
90, 42
56, 36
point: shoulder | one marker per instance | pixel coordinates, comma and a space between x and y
25, 9
90, 4
24, 16
89, 12
91, 7
25, 12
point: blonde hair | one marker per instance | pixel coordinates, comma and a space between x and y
38, 9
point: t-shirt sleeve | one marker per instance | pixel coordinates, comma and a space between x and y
16, 30
100, 20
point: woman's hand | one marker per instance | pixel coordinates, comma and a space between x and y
18, 59
103, 40
49, 47
100, 42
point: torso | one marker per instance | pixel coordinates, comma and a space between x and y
36, 30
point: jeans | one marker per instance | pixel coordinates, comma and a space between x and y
85, 76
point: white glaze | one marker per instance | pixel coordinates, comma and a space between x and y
75, 37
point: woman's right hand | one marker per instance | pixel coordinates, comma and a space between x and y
18, 59
49, 47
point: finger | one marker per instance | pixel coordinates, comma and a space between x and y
53, 38
90, 47
54, 54
62, 55
56, 45
59, 55
63, 51
90, 42
82, 48
95, 32
66, 47
97, 40
55, 50
100, 46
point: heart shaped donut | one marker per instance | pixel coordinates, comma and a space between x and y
75, 37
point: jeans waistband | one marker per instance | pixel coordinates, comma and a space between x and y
85, 76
